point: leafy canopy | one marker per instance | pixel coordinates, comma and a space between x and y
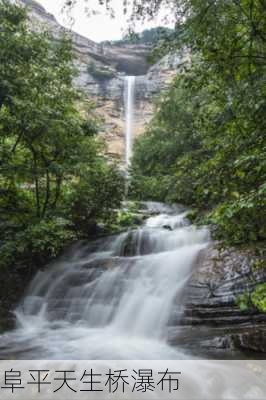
51, 159
206, 145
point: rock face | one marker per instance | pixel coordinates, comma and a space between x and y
211, 319
102, 69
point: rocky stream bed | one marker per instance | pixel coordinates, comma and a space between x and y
210, 323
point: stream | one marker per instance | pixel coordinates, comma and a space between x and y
112, 298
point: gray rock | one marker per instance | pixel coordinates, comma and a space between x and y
254, 340
108, 93
219, 277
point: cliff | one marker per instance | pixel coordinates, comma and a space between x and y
102, 68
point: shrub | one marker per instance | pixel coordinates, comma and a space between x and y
37, 244
100, 73
95, 198
258, 297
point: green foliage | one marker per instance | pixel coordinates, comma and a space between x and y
206, 145
148, 36
95, 197
125, 219
244, 301
37, 244
50, 156
258, 297
259, 265
132, 206
247, 213
102, 74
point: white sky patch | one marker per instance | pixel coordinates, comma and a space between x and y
98, 27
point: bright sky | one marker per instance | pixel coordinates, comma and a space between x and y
97, 27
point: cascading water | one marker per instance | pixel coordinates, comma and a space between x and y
129, 115
113, 298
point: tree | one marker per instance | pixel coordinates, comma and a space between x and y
208, 135
46, 146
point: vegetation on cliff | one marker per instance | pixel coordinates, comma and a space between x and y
55, 184
206, 144
149, 37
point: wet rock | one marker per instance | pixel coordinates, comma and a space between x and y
101, 71
218, 343
12, 288
219, 277
254, 340
102, 265
168, 227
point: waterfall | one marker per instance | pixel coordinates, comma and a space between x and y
112, 298
129, 116
110, 303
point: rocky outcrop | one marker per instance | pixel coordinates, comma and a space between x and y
108, 95
211, 318
102, 68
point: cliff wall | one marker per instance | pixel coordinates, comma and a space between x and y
102, 69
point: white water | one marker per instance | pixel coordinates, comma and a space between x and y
112, 299
129, 115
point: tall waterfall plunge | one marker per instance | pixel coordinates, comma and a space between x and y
129, 93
